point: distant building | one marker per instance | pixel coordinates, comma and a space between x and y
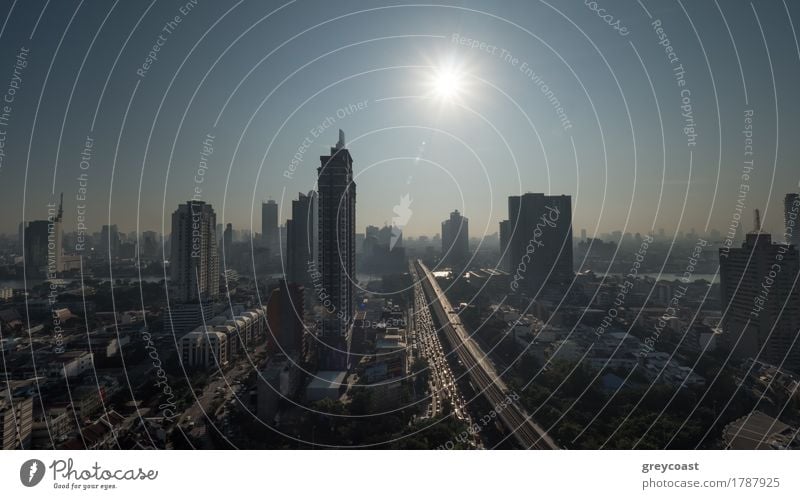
109, 242
540, 241
301, 238
455, 239
150, 247
337, 254
269, 225
194, 264
791, 205
204, 347
761, 315
43, 243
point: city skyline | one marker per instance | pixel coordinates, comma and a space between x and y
406, 150
377, 225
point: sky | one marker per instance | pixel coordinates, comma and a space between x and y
453, 105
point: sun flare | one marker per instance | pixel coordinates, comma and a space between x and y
447, 83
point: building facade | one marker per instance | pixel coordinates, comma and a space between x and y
539, 242
761, 304
301, 236
194, 263
455, 239
337, 253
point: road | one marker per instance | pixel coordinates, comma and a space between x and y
481, 369
442, 382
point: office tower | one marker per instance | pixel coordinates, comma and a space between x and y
269, 225
109, 242
285, 311
43, 240
36, 247
791, 207
761, 315
583, 235
301, 238
336, 257
227, 237
150, 245
455, 239
194, 265
540, 241
226, 246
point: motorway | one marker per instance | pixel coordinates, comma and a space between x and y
441, 382
480, 368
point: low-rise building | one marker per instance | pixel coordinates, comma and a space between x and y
204, 347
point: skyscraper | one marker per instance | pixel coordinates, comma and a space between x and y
337, 252
194, 264
540, 241
791, 207
761, 307
151, 241
43, 240
109, 242
269, 225
301, 237
455, 239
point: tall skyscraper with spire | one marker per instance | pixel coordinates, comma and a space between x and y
336, 254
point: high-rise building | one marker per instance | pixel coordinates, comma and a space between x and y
337, 253
540, 241
301, 237
791, 207
109, 242
43, 241
151, 241
455, 239
269, 225
194, 265
761, 305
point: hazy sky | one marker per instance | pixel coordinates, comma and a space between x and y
259, 76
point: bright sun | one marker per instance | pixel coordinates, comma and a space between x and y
447, 83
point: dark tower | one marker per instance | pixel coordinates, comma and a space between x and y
337, 254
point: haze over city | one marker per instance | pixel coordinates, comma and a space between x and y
545, 226
275, 83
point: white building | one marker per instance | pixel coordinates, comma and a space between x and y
204, 347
